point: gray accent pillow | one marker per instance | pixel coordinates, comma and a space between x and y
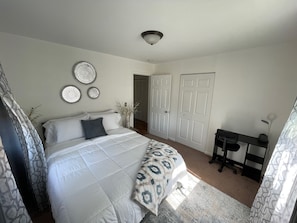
93, 128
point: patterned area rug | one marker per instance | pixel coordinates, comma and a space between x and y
200, 203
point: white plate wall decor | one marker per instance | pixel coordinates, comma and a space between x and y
93, 92
84, 72
71, 94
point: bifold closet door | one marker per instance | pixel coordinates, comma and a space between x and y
195, 98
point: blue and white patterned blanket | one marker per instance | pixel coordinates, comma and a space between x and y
155, 173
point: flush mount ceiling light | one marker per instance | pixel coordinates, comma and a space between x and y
152, 36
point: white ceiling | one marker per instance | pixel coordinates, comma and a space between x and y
191, 27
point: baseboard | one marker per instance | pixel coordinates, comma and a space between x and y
208, 153
172, 139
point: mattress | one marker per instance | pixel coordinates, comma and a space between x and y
93, 180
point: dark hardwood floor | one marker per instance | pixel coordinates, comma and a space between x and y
140, 126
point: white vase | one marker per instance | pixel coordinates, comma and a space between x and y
128, 121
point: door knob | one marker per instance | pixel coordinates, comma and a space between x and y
166, 111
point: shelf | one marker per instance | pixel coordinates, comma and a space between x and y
254, 158
257, 161
252, 173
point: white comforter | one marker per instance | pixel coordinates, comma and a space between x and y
93, 180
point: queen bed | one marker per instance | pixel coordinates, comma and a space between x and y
98, 171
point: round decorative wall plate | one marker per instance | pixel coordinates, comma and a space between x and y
93, 92
71, 94
84, 72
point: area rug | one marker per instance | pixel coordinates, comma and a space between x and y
199, 202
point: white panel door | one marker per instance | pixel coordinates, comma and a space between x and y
160, 91
195, 99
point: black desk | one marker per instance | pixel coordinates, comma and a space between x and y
249, 140
247, 170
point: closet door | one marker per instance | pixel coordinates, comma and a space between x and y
195, 99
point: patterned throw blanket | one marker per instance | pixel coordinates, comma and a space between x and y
155, 172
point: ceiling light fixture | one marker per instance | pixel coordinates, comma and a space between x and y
152, 36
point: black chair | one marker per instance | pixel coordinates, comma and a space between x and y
228, 142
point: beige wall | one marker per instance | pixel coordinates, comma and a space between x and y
37, 70
249, 84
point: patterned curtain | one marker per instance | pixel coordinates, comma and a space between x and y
12, 208
277, 194
30, 141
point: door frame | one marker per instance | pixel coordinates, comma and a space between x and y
148, 99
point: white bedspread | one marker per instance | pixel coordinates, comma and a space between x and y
93, 180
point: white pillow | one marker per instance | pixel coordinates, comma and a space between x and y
64, 129
110, 120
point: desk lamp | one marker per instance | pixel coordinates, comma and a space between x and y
271, 117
